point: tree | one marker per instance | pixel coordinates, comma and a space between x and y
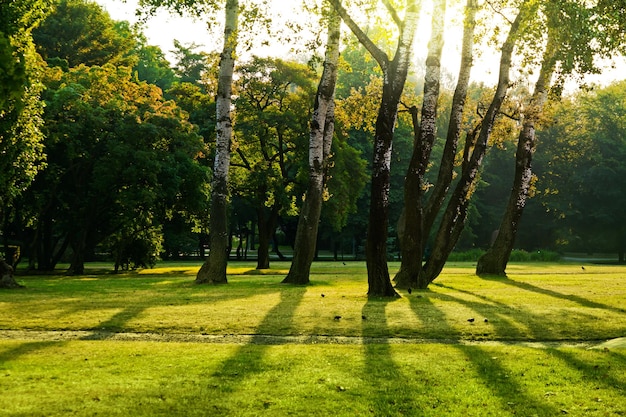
20, 112
120, 158
455, 213
320, 145
81, 32
214, 269
574, 39
394, 75
273, 104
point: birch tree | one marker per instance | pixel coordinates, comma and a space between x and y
395, 70
214, 269
576, 33
476, 141
320, 142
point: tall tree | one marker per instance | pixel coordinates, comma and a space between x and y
455, 213
21, 139
494, 261
395, 72
574, 39
320, 144
413, 229
214, 269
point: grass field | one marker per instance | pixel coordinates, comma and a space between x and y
154, 343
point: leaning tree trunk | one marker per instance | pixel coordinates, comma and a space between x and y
412, 240
320, 141
214, 269
455, 213
495, 260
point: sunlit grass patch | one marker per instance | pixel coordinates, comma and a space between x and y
194, 379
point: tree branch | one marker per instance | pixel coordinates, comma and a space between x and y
376, 52
393, 13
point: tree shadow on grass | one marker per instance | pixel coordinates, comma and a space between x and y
555, 294
248, 359
601, 372
504, 317
489, 369
392, 391
26, 348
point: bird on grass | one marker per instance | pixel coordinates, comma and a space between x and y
471, 320
337, 318
582, 267
409, 290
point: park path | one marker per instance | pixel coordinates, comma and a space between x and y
65, 335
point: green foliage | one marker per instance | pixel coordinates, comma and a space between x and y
129, 161
20, 108
81, 32
583, 170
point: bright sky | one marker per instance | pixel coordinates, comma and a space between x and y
162, 29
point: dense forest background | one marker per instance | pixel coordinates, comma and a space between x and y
107, 154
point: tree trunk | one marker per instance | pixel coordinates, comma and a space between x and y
214, 269
455, 214
495, 260
6, 276
413, 240
320, 141
267, 228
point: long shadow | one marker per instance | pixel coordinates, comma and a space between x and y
26, 348
114, 324
248, 359
380, 366
551, 293
504, 321
489, 369
597, 373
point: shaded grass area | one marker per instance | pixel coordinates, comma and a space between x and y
537, 302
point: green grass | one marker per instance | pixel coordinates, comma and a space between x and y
425, 358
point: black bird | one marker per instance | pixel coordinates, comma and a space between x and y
486, 320
409, 290
364, 318
471, 320
337, 318
323, 295
582, 267
344, 263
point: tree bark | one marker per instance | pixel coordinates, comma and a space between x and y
412, 240
395, 74
455, 213
320, 142
495, 260
394, 78
214, 269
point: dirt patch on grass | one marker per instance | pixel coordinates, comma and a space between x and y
65, 335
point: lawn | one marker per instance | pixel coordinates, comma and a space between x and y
154, 343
